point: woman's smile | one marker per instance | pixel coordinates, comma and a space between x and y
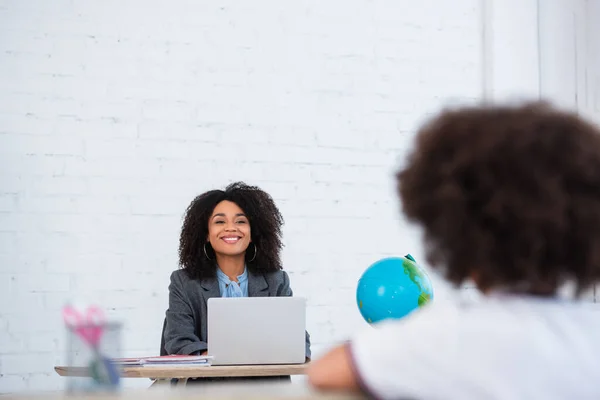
231, 239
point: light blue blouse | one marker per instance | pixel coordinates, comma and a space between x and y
229, 288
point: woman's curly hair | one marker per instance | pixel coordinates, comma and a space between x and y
508, 196
265, 227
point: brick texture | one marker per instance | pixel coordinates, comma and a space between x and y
115, 114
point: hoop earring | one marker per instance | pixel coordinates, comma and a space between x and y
205, 253
255, 251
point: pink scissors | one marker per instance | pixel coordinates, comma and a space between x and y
90, 327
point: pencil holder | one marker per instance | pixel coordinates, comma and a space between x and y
91, 347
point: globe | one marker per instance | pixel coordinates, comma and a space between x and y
392, 288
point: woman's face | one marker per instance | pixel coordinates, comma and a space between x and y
229, 229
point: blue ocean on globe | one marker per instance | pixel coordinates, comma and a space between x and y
392, 288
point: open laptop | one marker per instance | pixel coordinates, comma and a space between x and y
256, 330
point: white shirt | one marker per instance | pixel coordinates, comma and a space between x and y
502, 347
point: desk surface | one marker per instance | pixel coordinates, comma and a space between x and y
196, 372
275, 391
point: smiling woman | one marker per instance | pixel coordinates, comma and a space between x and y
230, 246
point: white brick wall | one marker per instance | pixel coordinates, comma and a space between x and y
570, 57
115, 114
592, 84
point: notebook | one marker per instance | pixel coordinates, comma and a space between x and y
164, 361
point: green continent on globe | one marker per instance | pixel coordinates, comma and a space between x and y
423, 299
411, 270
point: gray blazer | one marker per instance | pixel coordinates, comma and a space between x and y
185, 325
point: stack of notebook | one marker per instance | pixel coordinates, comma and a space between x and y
165, 361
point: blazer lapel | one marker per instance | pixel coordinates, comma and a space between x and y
257, 285
211, 287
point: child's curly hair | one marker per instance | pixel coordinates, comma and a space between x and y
508, 196
265, 225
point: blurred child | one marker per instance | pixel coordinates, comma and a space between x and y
509, 198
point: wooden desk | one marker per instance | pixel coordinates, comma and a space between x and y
195, 372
